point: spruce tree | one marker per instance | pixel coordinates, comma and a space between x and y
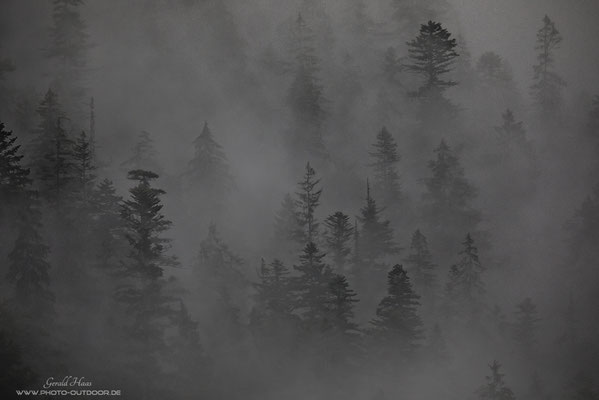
465, 287
308, 199
512, 133
432, 55
436, 346
209, 168
386, 179
107, 226
525, 326
493, 70
141, 290
312, 288
144, 225
338, 233
547, 84
342, 338
420, 265
495, 388
376, 235
14, 178
305, 97
397, 326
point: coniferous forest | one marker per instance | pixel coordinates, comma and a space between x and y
300, 199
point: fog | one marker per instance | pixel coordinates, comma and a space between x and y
336, 199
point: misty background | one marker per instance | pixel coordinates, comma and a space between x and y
265, 199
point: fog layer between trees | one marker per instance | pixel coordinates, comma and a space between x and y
300, 200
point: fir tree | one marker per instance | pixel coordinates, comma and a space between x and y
342, 336
525, 326
495, 388
376, 235
308, 199
419, 264
209, 167
432, 54
14, 178
397, 325
338, 233
305, 97
465, 287
493, 70
386, 179
273, 295
547, 84
312, 288
144, 225
107, 225
512, 133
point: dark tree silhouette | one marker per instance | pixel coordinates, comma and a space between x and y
397, 326
14, 178
432, 54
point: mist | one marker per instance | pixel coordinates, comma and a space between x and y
335, 199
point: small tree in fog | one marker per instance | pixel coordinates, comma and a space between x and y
14, 178
397, 325
376, 235
495, 388
420, 265
337, 235
312, 288
512, 133
308, 199
525, 326
465, 287
83, 167
107, 225
209, 167
386, 179
547, 84
273, 296
436, 346
432, 54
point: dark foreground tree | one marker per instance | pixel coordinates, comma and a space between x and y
432, 54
